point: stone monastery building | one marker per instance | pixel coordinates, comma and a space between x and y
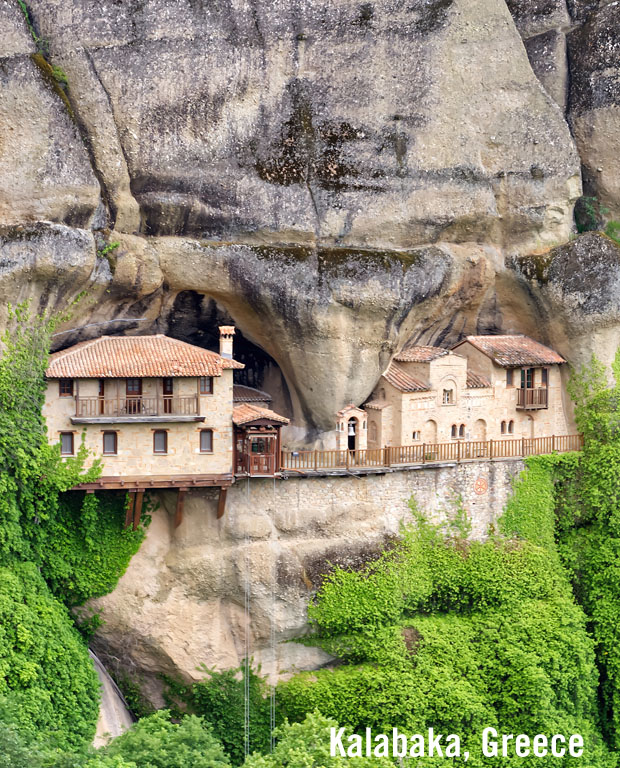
160, 413
485, 388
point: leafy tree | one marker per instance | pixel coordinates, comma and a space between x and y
46, 676
220, 699
307, 745
156, 742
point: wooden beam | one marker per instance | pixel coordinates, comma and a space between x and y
137, 510
221, 504
129, 511
178, 515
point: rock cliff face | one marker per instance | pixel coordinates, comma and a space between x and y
336, 178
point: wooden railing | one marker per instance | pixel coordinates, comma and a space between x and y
429, 453
535, 397
92, 407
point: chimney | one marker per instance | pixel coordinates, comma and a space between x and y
226, 340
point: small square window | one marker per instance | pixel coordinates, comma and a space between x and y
206, 441
416, 435
66, 443
448, 397
160, 441
110, 444
545, 376
509, 373
65, 387
206, 385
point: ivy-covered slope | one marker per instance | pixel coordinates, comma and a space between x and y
57, 549
460, 636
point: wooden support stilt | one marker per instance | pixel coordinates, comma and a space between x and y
178, 516
137, 510
129, 512
221, 505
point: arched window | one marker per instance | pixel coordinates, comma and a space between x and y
511, 427
448, 397
364, 427
454, 431
416, 435
503, 427
462, 431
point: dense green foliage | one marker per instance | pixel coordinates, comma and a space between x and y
86, 550
157, 742
459, 636
46, 677
306, 745
49, 538
588, 515
220, 699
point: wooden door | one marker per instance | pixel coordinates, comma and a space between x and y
168, 393
133, 391
263, 455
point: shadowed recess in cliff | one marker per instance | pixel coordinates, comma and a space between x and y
196, 318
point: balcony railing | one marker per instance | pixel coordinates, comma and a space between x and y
427, 453
531, 398
138, 407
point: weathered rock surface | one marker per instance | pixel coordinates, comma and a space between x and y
576, 289
594, 52
367, 125
182, 601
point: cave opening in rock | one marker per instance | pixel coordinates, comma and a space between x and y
195, 318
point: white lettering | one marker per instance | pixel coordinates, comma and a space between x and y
506, 737
489, 748
554, 750
540, 745
522, 745
368, 742
399, 744
335, 742
417, 746
383, 747
433, 743
575, 745
453, 746
355, 750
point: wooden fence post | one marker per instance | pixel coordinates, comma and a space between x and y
490, 449
423, 453
553, 444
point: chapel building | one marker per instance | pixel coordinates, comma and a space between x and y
484, 388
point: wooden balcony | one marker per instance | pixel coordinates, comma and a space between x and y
532, 399
117, 410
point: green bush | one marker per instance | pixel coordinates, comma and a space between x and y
613, 230
459, 636
47, 679
156, 742
220, 700
307, 745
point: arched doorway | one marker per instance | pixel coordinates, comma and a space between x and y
480, 430
430, 431
530, 427
352, 434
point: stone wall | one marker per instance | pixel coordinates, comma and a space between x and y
181, 601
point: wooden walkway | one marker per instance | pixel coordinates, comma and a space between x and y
410, 456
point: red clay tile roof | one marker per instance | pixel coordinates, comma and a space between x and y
420, 354
513, 351
243, 394
477, 380
248, 412
140, 356
397, 377
377, 405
